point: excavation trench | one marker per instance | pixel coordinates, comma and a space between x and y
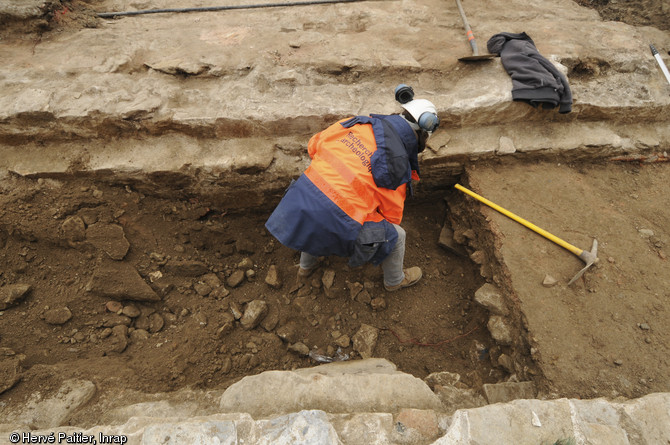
139, 292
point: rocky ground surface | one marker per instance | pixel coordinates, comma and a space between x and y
139, 164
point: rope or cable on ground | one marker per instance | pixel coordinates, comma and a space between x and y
223, 8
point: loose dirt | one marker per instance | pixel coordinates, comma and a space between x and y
57, 235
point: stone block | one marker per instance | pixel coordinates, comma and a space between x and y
53, 410
424, 422
508, 391
492, 299
363, 428
307, 426
522, 422
372, 385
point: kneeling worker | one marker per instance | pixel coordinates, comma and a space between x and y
350, 200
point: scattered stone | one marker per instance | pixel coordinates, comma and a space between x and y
89, 216
646, 232
416, 422
250, 274
109, 238
186, 268
114, 306
549, 281
10, 372
253, 314
201, 319
156, 322
106, 333
354, 289
300, 348
57, 316
328, 278
447, 241
118, 340
235, 278
365, 340
364, 297
227, 365
245, 246
443, 378
158, 257
111, 320
142, 322
618, 362
219, 293
73, 229
272, 278
500, 330
161, 286
343, 341
289, 332
490, 297
506, 362
643, 326
131, 311
235, 310
246, 263
227, 325
12, 294
120, 281
139, 335
270, 321
211, 280
478, 256
202, 289
378, 304
508, 391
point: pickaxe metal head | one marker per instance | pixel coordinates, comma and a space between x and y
589, 258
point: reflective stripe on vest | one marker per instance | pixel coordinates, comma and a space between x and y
341, 169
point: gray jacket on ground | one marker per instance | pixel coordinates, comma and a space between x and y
535, 80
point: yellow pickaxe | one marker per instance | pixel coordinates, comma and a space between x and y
590, 258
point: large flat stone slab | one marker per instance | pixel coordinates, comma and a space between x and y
372, 385
597, 421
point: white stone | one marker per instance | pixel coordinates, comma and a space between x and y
506, 146
372, 385
304, 427
50, 411
492, 299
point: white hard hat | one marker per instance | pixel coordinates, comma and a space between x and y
424, 113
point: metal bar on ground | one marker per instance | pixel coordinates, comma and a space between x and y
223, 8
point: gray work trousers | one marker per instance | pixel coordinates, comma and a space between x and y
392, 264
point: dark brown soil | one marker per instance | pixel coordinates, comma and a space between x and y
38, 249
638, 13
